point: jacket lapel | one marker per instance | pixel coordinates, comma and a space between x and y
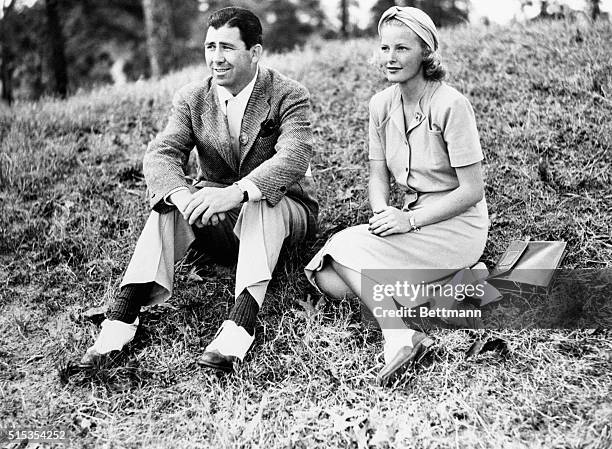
256, 112
214, 124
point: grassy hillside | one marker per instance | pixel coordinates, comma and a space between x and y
72, 205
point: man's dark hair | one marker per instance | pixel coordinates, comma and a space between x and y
241, 18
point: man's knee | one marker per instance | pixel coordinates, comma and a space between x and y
262, 208
287, 221
280, 219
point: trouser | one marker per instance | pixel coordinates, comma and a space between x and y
255, 231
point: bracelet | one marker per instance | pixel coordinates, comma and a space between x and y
413, 226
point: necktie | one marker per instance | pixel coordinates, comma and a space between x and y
234, 122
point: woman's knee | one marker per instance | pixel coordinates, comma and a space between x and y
331, 284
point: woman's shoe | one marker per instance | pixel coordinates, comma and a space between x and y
404, 357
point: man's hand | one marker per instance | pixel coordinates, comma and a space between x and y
389, 220
209, 204
181, 199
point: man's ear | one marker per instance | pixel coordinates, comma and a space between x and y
256, 53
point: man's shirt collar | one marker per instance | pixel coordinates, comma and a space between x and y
242, 96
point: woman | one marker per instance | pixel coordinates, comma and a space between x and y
423, 134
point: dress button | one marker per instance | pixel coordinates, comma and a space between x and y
418, 116
243, 139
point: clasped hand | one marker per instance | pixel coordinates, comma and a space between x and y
209, 204
389, 220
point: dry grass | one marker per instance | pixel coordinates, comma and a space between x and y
72, 202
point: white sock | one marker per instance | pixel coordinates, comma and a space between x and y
114, 335
231, 340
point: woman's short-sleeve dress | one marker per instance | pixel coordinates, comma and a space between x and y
441, 135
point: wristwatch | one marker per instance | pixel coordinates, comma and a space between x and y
413, 225
245, 194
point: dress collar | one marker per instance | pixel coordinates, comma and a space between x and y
397, 110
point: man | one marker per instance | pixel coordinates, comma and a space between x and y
254, 191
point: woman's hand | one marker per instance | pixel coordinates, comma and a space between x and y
389, 220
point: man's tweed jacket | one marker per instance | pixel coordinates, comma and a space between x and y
274, 156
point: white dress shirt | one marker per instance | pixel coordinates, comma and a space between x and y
234, 107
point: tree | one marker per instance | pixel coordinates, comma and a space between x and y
442, 12
286, 23
103, 35
158, 17
376, 11
283, 29
25, 40
6, 65
344, 15
57, 59
344, 18
594, 8
101, 41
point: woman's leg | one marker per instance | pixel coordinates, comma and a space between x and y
380, 309
331, 284
394, 330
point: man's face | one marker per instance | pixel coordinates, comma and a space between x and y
231, 64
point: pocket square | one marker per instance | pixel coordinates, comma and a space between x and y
268, 127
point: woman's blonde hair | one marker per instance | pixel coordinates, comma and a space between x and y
433, 69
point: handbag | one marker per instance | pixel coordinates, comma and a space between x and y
528, 266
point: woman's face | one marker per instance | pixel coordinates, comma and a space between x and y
402, 54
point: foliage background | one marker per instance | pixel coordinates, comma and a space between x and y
111, 41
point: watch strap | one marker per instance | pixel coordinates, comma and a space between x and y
245, 193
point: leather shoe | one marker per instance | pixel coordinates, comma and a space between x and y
91, 359
404, 357
214, 359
